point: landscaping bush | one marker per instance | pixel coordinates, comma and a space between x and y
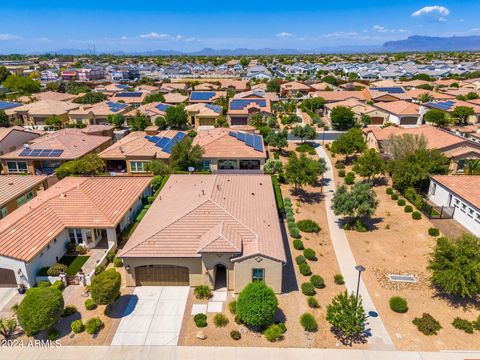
220, 320
414, 197
235, 335
77, 326
117, 262
93, 325
308, 322
309, 254
398, 304
338, 279
350, 178
305, 148
300, 259
308, 226
90, 304
433, 231
427, 324
416, 215
408, 209
394, 197
69, 310
110, 256
389, 191
58, 285
341, 173
200, 320
463, 324
40, 309
308, 289
105, 287
56, 269
339, 165
232, 306
312, 302
80, 249
305, 269
99, 269
317, 281
278, 195
44, 284
401, 202
203, 292
53, 334
256, 304
273, 333
298, 244
294, 232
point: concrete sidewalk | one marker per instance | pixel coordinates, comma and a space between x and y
215, 353
379, 339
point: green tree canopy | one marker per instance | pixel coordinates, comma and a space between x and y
4, 73
369, 164
462, 113
302, 170
329, 79
312, 104
358, 202
4, 122
54, 122
176, 117
256, 304
23, 84
105, 287
90, 98
273, 86
304, 132
342, 118
153, 98
118, 120
472, 167
90, 164
349, 143
185, 155
398, 146
277, 139
158, 167
436, 117
139, 122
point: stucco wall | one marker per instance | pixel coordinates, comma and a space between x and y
273, 273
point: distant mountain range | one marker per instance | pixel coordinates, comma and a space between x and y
412, 43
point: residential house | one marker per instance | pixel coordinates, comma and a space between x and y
377, 116
206, 86
202, 114
79, 210
236, 85
152, 110
33, 115
450, 105
294, 88
90, 74
385, 94
171, 87
333, 96
198, 232
133, 98
47, 95
111, 89
206, 96
240, 110
16, 190
175, 98
14, 137
96, 114
401, 112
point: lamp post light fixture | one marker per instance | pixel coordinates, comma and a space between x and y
360, 269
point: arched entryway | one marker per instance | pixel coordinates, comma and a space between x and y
220, 277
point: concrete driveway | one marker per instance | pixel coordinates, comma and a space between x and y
5, 295
153, 316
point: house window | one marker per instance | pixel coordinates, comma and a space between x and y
137, 166
258, 274
477, 218
24, 198
17, 166
75, 236
461, 166
3, 212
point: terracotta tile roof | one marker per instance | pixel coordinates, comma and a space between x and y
12, 186
217, 143
45, 108
399, 107
251, 105
103, 108
465, 186
455, 103
373, 94
239, 85
74, 143
258, 93
383, 83
416, 93
204, 110
210, 213
147, 88
215, 96
206, 86
136, 145
48, 95
74, 202
150, 109
124, 96
331, 96
175, 98
173, 86
294, 86
320, 86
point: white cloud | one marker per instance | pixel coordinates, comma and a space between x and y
436, 11
5, 37
284, 34
166, 37
379, 28
382, 29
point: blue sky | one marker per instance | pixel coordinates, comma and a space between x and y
33, 25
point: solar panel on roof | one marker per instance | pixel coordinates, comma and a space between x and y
5, 105
147, 137
238, 104
443, 105
115, 107
249, 140
162, 142
162, 107
56, 153
201, 95
41, 152
216, 108
234, 134
25, 152
391, 90
129, 94
241, 136
176, 139
258, 143
154, 138
122, 86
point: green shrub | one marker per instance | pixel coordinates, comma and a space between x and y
414, 197
309, 254
44, 284
398, 304
308, 289
220, 320
117, 262
273, 333
235, 335
300, 259
416, 215
298, 244
305, 269
232, 306
294, 232
463, 324
338, 279
93, 325
394, 197
110, 256
56, 269
77, 326
308, 322
53, 334
341, 173
350, 178
278, 194
312, 302
317, 281
427, 324
58, 285
203, 292
339, 165
401, 202
433, 231
256, 304
105, 287
69, 310
200, 320
389, 191
99, 269
90, 304
150, 199
408, 209
308, 226
40, 309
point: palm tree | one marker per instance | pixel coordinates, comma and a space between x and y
472, 167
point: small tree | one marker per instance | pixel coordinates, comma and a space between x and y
278, 140
105, 287
185, 155
301, 170
398, 146
462, 113
272, 166
369, 164
116, 119
306, 132
4, 122
342, 118
90, 164
40, 309
256, 304
436, 117
351, 142
90, 98
454, 265
158, 167
359, 202
176, 117
54, 122
153, 98
425, 98
139, 122
347, 316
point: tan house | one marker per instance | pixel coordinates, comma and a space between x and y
206, 86
170, 87
203, 114
14, 137
152, 110
111, 89
241, 109
33, 115
205, 96
47, 95
416, 94
198, 232
385, 94
450, 105
46, 153
333, 96
16, 190
228, 150
377, 116
131, 154
293, 88
96, 114
401, 112
237, 85
175, 98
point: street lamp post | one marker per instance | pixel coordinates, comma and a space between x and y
360, 269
